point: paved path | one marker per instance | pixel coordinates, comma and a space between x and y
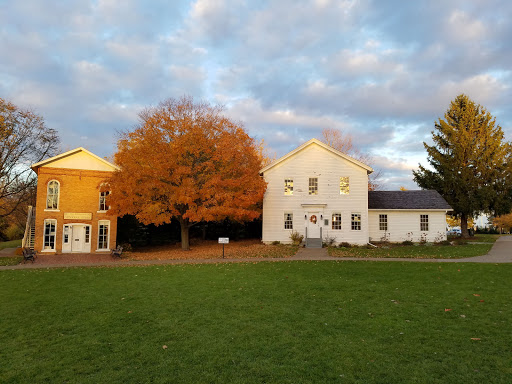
501, 252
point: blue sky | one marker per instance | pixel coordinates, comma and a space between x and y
382, 71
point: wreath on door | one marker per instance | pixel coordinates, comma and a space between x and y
313, 219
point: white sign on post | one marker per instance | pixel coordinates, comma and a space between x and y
223, 240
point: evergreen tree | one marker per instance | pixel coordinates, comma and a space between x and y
470, 161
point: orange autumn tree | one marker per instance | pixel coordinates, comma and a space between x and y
503, 222
187, 161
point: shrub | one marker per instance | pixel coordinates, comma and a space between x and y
276, 242
296, 238
329, 241
444, 242
345, 245
407, 242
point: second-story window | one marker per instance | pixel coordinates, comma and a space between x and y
103, 201
52, 195
313, 185
344, 185
288, 187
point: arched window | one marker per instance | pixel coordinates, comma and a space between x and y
52, 195
103, 201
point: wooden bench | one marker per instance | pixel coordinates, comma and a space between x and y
117, 251
29, 255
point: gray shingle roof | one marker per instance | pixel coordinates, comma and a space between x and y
423, 199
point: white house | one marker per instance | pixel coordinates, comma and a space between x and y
322, 193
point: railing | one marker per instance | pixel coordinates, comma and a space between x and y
27, 234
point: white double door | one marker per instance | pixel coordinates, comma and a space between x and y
76, 238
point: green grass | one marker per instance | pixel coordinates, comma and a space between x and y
284, 322
482, 238
10, 260
416, 251
10, 244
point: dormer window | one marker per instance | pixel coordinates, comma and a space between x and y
52, 195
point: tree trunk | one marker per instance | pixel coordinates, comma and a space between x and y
464, 226
185, 228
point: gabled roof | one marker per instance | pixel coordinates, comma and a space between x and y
423, 199
65, 155
323, 145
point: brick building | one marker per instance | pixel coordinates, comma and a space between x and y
71, 211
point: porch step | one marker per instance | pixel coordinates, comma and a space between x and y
314, 243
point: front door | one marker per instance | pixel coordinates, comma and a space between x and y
77, 238
313, 225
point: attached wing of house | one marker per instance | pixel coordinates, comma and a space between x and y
398, 216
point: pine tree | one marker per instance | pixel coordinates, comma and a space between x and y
470, 161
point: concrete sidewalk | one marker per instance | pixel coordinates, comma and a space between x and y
501, 252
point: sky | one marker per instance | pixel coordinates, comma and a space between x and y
381, 71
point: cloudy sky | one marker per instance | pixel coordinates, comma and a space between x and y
382, 71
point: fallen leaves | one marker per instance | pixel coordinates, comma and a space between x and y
209, 249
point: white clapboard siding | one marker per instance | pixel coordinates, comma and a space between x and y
405, 225
328, 167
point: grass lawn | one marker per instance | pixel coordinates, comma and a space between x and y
481, 238
286, 322
10, 244
10, 260
416, 251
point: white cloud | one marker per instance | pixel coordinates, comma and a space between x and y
462, 28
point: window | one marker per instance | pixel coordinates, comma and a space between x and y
66, 234
356, 221
103, 201
87, 234
383, 222
313, 185
49, 234
103, 234
288, 187
344, 186
423, 222
52, 195
336, 221
288, 221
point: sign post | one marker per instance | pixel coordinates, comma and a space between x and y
223, 241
